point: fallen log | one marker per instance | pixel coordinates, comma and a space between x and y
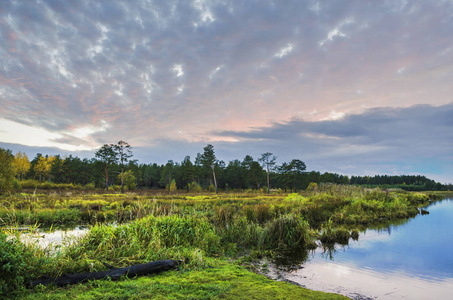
113, 273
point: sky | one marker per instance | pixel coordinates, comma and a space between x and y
351, 87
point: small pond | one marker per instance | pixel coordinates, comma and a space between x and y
413, 260
54, 239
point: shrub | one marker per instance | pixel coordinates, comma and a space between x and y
313, 186
172, 188
16, 185
28, 184
47, 185
331, 234
295, 197
194, 187
89, 186
14, 267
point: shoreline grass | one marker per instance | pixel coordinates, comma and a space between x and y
223, 281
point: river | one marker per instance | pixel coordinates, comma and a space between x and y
413, 260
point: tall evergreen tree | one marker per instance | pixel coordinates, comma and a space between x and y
187, 172
268, 160
209, 160
123, 152
107, 156
166, 175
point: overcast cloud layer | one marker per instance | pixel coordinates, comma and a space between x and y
356, 87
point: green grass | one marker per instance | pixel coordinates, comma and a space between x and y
225, 281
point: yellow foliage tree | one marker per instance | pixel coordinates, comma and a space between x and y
40, 167
21, 164
43, 167
49, 162
6, 170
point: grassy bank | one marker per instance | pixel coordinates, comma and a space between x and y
224, 281
200, 229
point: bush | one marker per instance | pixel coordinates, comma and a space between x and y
194, 187
14, 269
295, 197
28, 184
89, 186
331, 234
47, 185
172, 188
313, 186
16, 185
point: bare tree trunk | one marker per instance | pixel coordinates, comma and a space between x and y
215, 181
106, 178
268, 189
122, 181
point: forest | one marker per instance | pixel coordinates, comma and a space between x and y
113, 167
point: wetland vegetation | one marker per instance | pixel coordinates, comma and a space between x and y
209, 232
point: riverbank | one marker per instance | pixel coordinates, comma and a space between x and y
408, 259
223, 280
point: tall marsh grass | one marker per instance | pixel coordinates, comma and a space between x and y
145, 237
287, 232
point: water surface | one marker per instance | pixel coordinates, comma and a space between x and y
53, 238
412, 261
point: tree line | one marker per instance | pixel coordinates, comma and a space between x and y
113, 166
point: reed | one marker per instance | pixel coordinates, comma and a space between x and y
147, 237
287, 232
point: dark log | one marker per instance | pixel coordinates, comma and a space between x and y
113, 273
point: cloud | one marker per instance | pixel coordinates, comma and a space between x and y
381, 140
154, 69
178, 70
284, 51
336, 32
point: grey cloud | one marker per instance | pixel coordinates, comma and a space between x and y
387, 134
60, 68
71, 140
